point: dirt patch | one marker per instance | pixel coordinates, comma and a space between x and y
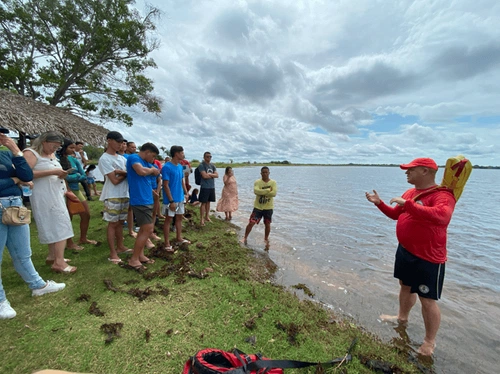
95, 310
112, 330
303, 287
292, 331
83, 297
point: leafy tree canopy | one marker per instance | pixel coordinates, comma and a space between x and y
87, 55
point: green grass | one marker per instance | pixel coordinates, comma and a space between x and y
57, 331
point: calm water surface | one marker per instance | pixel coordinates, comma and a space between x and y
326, 235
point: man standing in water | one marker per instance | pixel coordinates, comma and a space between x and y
265, 190
423, 214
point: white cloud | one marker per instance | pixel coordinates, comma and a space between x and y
255, 80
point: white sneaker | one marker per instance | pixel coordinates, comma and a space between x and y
51, 286
6, 311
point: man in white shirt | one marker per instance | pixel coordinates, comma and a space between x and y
115, 194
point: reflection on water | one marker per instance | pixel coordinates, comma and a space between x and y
326, 235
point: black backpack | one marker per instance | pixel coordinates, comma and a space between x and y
197, 176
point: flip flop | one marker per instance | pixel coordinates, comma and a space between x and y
138, 268
93, 242
67, 270
51, 262
169, 249
114, 260
76, 248
150, 261
183, 241
127, 251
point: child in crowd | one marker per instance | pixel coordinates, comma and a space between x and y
193, 199
91, 179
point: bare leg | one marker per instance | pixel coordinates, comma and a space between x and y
203, 207
57, 249
178, 227
156, 205
166, 230
207, 211
120, 246
267, 231
142, 237
84, 225
406, 302
130, 223
115, 231
432, 320
248, 229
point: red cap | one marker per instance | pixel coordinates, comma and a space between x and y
422, 161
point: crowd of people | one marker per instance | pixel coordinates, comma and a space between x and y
136, 183
56, 172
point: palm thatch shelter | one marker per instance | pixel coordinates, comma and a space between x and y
31, 117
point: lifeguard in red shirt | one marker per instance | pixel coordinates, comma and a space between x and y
423, 214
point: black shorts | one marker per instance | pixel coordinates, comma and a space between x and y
206, 195
425, 278
257, 215
143, 214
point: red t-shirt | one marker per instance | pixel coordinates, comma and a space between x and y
422, 224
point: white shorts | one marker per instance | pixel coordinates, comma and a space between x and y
179, 209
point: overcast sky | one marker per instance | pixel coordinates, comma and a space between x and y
360, 81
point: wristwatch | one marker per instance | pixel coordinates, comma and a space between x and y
19, 154
171, 201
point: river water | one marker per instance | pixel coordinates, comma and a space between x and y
325, 234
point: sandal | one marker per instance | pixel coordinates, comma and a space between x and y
75, 248
67, 270
127, 251
138, 268
115, 261
93, 242
150, 261
51, 262
169, 249
183, 241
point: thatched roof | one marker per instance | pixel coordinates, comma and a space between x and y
22, 114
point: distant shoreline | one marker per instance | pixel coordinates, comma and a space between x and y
247, 164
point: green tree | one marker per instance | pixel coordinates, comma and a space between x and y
87, 55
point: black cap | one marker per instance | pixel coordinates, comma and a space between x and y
3, 130
115, 135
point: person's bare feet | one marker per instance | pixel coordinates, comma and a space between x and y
75, 247
243, 240
88, 241
155, 237
427, 348
133, 234
392, 319
149, 244
124, 250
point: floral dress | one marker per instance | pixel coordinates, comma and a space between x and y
229, 198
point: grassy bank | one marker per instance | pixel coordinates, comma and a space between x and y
215, 293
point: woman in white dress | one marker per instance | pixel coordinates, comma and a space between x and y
48, 200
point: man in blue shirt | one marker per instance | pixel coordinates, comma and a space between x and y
174, 195
139, 170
